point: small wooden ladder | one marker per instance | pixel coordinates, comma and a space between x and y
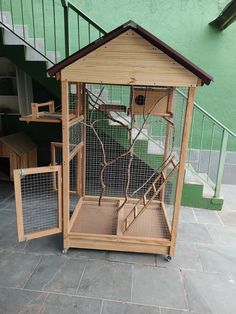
143, 202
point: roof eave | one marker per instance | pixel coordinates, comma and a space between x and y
172, 53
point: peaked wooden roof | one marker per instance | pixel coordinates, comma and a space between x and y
20, 143
205, 77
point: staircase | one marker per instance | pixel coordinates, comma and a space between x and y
201, 185
36, 44
42, 43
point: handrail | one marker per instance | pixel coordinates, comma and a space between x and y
94, 31
67, 3
208, 115
221, 149
26, 43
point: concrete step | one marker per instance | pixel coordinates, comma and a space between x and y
122, 117
191, 177
10, 38
142, 136
155, 146
5, 17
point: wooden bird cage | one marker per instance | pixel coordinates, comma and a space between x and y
122, 155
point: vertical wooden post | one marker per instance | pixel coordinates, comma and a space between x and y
167, 140
66, 161
180, 178
83, 155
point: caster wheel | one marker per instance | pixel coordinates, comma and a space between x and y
168, 258
64, 251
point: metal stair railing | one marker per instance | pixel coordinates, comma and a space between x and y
59, 17
208, 143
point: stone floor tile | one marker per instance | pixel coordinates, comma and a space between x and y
228, 218
192, 232
210, 293
217, 258
67, 278
110, 307
16, 268
8, 231
6, 191
228, 192
46, 245
14, 301
7, 218
155, 285
87, 254
223, 235
186, 257
186, 215
9, 204
63, 304
8, 238
106, 280
45, 272
173, 311
146, 259
205, 216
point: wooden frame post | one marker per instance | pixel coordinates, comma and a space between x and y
180, 178
66, 161
167, 139
83, 109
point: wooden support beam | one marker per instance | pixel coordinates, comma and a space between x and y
180, 179
170, 106
66, 161
112, 107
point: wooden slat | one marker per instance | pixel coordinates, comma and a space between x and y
109, 107
129, 59
18, 200
27, 171
124, 239
102, 244
40, 234
66, 161
75, 213
180, 179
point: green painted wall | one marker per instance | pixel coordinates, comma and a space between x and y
183, 24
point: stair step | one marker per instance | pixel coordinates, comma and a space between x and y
122, 117
192, 178
5, 17
155, 146
142, 136
10, 38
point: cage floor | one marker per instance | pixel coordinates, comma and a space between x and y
104, 219
96, 219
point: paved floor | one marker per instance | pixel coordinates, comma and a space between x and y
36, 278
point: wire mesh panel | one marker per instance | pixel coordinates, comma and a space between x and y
175, 146
74, 172
75, 135
73, 97
132, 145
38, 203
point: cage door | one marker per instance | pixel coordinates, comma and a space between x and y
38, 196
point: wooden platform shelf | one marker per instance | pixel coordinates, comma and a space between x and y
99, 227
45, 117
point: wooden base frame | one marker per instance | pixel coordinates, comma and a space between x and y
98, 227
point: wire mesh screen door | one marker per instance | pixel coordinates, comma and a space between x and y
38, 197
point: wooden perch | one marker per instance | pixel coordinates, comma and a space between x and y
112, 107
